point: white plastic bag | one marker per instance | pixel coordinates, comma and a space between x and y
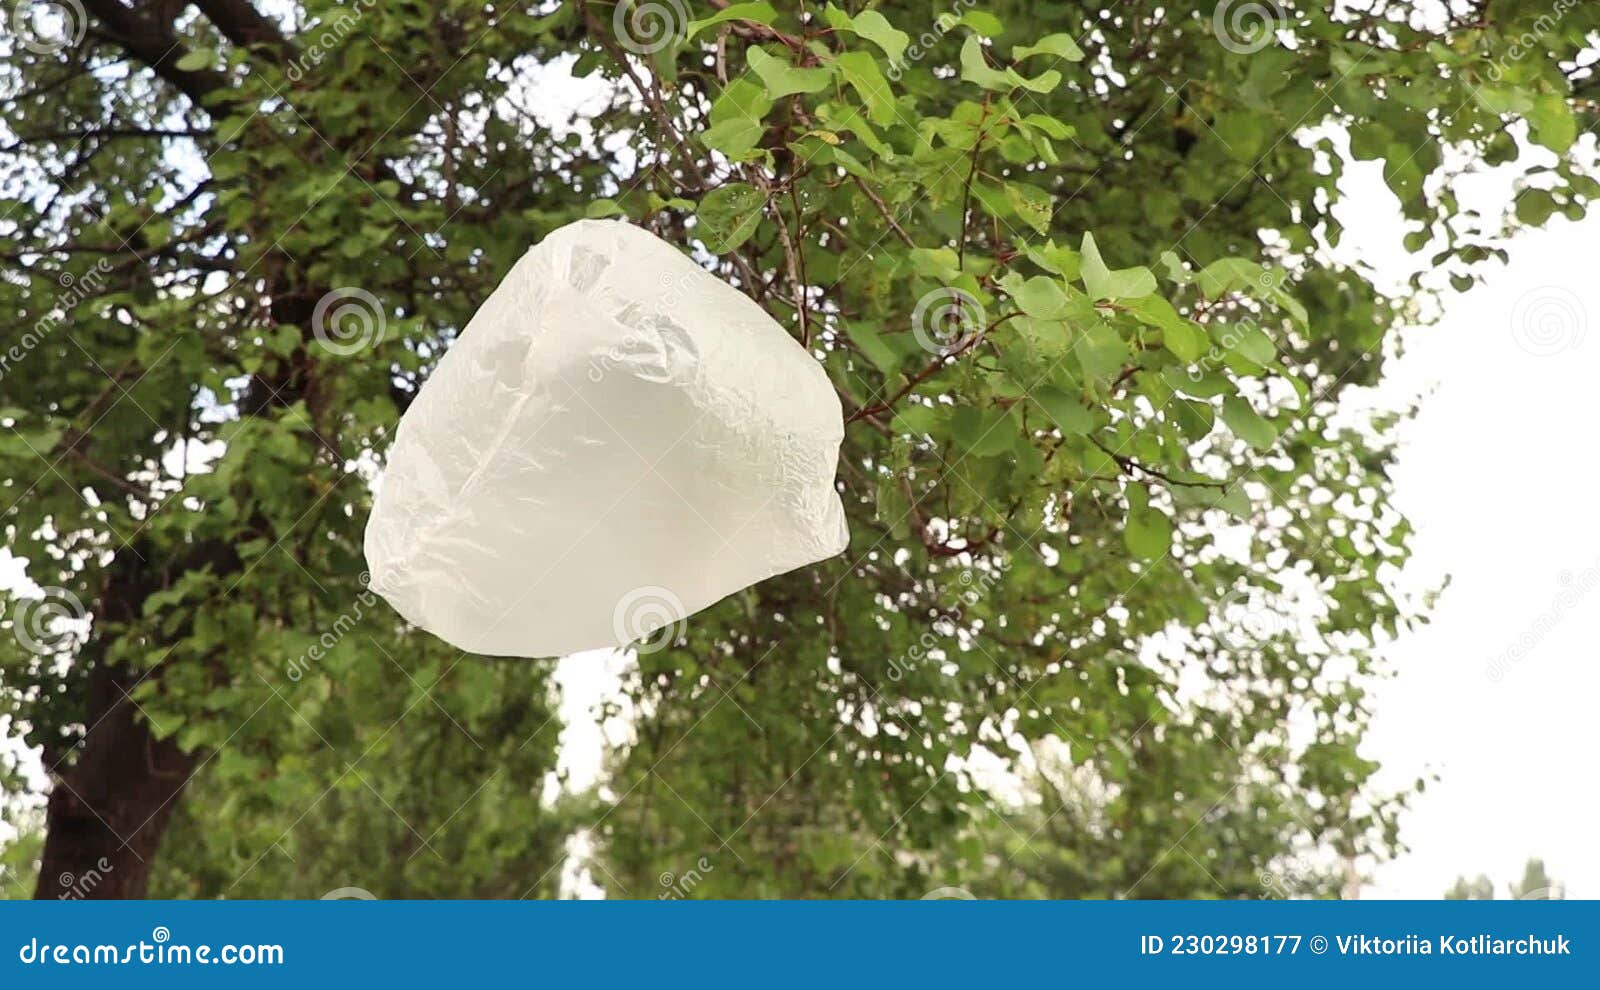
617, 440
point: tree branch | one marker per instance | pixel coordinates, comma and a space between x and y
153, 43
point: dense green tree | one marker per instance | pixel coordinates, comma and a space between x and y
189, 438
1067, 266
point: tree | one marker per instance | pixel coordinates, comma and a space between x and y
1481, 888
1536, 885
1067, 268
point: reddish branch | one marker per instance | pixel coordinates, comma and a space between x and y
1129, 466
927, 372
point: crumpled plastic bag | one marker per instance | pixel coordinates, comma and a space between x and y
617, 440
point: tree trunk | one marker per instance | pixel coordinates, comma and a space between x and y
109, 808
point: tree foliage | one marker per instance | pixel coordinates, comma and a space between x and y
1536, 885
1068, 267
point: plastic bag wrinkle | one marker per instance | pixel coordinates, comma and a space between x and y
617, 440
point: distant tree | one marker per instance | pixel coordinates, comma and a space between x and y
1536, 885
1478, 889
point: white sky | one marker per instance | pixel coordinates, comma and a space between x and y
1497, 474
1498, 477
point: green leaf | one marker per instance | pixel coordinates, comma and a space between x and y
196, 60
1193, 419
1198, 383
1502, 99
742, 99
736, 125
940, 264
1250, 341
976, 69
1101, 351
847, 118
602, 208
865, 336
1044, 82
1148, 534
1275, 292
734, 138
1049, 125
760, 13
983, 22
1178, 335
872, 26
658, 204
861, 71
783, 79
1242, 134
1066, 409
1042, 297
1226, 274
983, 432
1060, 45
1176, 272
1104, 283
1031, 203
915, 418
1162, 207
1552, 122
1061, 260
1232, 500
1247, 424
728, 215
1185, 340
